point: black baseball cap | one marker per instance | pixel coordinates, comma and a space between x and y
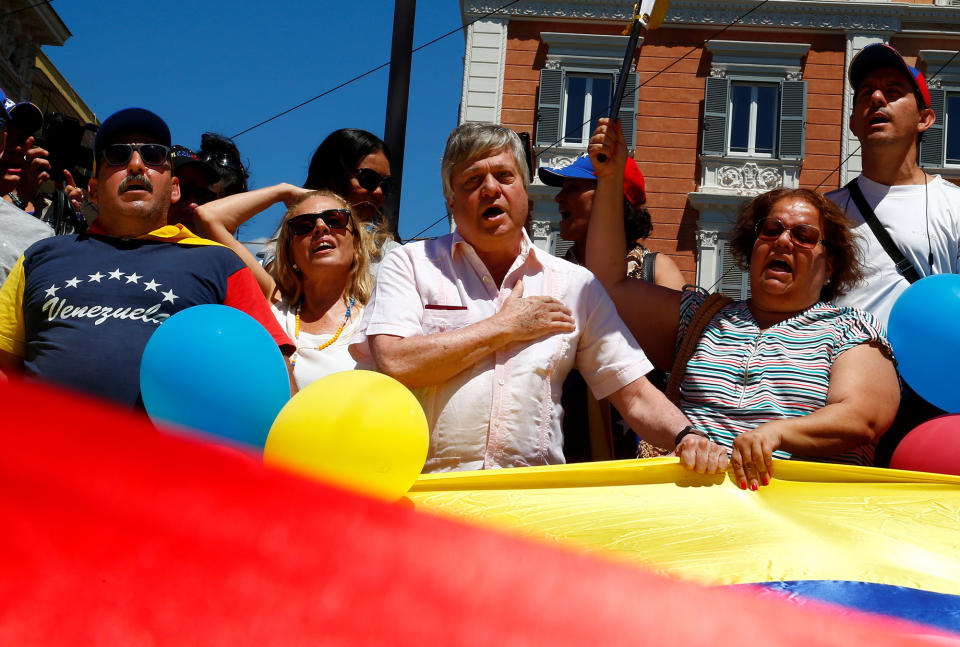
183, 156
130, 120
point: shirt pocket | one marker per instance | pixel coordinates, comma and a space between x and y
436, 320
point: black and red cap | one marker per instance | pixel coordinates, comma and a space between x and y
882, 55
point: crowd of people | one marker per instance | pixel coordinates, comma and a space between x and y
481, 324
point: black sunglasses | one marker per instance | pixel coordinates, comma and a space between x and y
305, 223
804, 235
370, 180
151, 154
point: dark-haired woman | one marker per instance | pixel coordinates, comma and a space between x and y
783, 374
356, 164
320, 280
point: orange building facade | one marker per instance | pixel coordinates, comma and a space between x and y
727, 100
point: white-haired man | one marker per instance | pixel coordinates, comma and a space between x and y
485, 327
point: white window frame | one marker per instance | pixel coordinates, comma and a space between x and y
752, 120
955, 93
588, 109
947, 81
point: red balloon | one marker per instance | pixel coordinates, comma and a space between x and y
933, 446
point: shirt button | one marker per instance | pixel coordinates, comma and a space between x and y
496, 423
486, 279
501, 381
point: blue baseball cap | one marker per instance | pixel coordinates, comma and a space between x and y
581, 169
130, 120
4, 111
634, 186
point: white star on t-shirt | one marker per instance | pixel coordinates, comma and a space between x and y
116, 274
95, 278
151, 285
52, 290
72, 283
133, 278
169, 296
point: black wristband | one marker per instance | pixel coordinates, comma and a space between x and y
686, 431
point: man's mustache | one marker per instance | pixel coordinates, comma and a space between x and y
135, 179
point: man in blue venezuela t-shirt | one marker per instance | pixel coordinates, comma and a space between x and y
78, 310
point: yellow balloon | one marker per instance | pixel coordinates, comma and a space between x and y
358, 429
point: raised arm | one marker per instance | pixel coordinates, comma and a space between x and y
220, 217
424, 360
668, 274
651, 312
861, 404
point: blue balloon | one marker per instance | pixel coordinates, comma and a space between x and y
215, 369
924, 333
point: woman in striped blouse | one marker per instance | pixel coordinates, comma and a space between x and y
783, 374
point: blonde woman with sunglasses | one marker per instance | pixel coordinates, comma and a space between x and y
320, 280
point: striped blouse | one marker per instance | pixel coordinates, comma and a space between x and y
740, 376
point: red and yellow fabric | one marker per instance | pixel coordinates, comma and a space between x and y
115, 534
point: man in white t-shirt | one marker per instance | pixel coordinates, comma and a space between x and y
921, 213
891, 111
484, 327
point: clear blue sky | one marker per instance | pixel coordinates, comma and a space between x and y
225, 66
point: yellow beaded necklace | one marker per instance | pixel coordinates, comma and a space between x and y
336, 335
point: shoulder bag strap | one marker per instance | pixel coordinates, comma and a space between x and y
649, 272
711, 306
904, 266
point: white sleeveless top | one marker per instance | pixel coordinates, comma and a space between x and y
312, 364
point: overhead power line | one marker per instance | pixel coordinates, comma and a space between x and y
371, 71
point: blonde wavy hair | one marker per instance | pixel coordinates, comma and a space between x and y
290, 280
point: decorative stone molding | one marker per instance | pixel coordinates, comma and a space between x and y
707, 239
943, 68
750, 177
797, 15
744, 58
541, 228
557, 158
877, 16
590, 50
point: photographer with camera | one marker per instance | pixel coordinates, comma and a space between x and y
67, 146
24, 163
18, 229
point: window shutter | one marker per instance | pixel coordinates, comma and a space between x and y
933, 141
733, 282
793, 112
628, 109
548, 108
715, 104
560, 246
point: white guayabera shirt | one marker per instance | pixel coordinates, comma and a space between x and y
504, 411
